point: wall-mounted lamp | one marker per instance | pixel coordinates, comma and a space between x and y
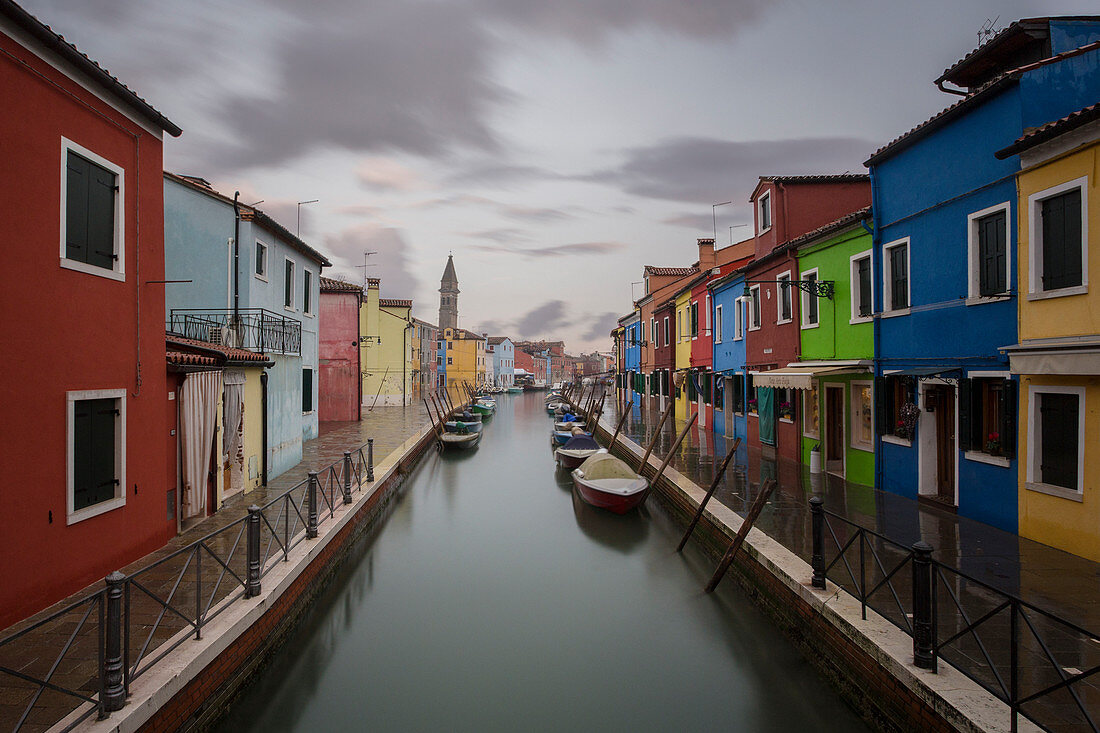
368, 340
816, 288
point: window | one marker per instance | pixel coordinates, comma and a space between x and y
987, 415
449, 361
679, 325
764, 212
896, 294
754, 307
783, 291
810, 412
738, 319
450, 345
261, 261
784, 402
288, 285
706, 328
810, 313
694, 319
892, 394
97, 452
92, 230
1058, 227
1057, 437
737, 384
307, 390
692, 391
987, 244
862, 419
751, 391
718, 324
667, 341
862, 307
307, 292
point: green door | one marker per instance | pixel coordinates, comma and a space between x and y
765, 405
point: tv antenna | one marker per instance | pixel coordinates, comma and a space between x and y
988, 30
364, 267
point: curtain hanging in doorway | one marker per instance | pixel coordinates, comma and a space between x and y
198, 418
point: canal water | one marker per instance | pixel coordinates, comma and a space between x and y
491, 599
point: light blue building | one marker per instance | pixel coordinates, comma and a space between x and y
504, 360
250, 283
633, 379
728, 314
944, 268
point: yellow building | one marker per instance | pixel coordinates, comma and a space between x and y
386, 348
682, 349
1058, 356
465, 357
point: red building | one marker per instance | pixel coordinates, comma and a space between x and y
87, 449
524, 362
339, 386
786, 207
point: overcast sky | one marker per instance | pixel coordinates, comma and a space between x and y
553, 147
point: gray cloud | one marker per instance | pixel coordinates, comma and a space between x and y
706, 170
493, 171
391, 263
556, 250
542, 320
601, 326
502, 235
701, 222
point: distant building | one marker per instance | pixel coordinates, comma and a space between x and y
386, 349
503, 353
424, 357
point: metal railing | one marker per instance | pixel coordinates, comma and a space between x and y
141, 618
1042, 666
257, 329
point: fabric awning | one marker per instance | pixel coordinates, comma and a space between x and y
923, 371
1070, 357
520, 372
799, 377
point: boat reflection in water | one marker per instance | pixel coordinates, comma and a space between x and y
619, 532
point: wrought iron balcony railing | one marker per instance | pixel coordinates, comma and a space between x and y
255, 329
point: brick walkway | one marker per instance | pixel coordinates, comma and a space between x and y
35, 654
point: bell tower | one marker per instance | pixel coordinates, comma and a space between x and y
448, 296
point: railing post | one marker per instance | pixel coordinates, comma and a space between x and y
922, 605
311, 505
114, 692
252, 588
347, 477
817, 560
370, 459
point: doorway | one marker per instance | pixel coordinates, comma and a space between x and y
834, 429
937, 444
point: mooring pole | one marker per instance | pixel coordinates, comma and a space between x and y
754, 512
370, 459
619, 427
817, 526
114, 691
922, 605
710, 492
671, 452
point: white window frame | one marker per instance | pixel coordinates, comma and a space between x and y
1035, 240
853, 288
779, 293
717, 324
973, 266
753, 314
1035, 438
668, 340
118, 270
855, 387
679, 325
887, 277
760, 206
806, 405
267, 270
738, 318
707, 301
804, 301
653, 332
307, 298
694, 304
293, 287
72, 516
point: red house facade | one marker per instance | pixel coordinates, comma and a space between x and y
87, 405
786, 207
340, 388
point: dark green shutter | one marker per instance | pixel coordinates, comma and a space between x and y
899, 277
307, 390
76, 208
1008, 417
288, 286
1058, 426
863, 304
991, 254
968, 415
1062, 240
94, 478
90, 192
691, 386
881, 395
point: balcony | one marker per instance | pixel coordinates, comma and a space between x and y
255, 329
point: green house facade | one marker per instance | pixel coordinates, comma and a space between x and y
837, 347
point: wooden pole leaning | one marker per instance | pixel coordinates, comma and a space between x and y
754, 511
671, 452
437, 428
619, 427
710, 492
677, 381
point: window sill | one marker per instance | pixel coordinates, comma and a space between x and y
865, 447
1059, 293
781, 321
894, 440
983, 299
95, 510
753, 414
812, 436
754, 328
808, 326
261, 278
979, 457
1059, 491
894, 314
787, 420
861, 319
308, 314
92, 270
289, 308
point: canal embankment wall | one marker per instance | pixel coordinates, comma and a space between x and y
192, 687
869, 662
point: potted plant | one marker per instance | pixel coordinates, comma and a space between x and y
901, 430
993, 444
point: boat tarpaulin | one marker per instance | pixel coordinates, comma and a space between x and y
799, 377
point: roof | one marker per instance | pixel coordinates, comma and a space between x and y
676, 271
248, 213
449, 271
394, 303
832, 227
463, 333
231, 355
494, 340
329, 285
1051, 130
987, 90
180, 358
820, 178
98, 75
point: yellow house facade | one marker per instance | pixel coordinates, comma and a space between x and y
386, 348
464, 356
682, 351
1058, 354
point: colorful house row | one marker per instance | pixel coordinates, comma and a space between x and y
936, 344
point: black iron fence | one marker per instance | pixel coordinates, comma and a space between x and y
256, 329
89, 652
1042, 666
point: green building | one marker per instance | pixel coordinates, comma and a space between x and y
837, 348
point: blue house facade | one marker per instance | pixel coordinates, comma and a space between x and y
729, 318
251, 284
944, 267
633, 387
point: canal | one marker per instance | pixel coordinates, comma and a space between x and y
491, 599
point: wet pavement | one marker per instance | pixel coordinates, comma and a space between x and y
36, 653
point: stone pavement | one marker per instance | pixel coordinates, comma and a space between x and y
171, 577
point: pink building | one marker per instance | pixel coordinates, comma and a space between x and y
339, 384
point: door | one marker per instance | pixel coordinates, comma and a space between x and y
765, 398
943, 404
834, 429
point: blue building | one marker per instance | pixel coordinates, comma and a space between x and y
729, 316
633, 379
944, 263
249, 283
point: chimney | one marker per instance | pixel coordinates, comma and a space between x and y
707, 258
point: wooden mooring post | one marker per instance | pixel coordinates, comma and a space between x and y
619, 427
754, 511
710, 492
671, 452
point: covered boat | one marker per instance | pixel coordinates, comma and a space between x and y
606, 482
515, 390
483, 408
460, 441
461, 426
561, 437
578, 448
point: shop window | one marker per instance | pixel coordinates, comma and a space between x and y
784, 403
810, 409
862, 416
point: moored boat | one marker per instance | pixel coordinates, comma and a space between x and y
561, 437
606, 482
461, 426
460, 441
576, 450
515, 390
483, 408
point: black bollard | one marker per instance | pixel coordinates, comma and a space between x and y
252, 587
817, 560
311, 506
347, 477
114, 691
370, 459
922, 605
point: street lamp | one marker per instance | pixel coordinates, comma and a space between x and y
298, 225
816, 288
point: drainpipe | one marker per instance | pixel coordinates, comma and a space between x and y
236, 258
877, 294
263, 425
942, 88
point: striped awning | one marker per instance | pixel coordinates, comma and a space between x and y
794, 377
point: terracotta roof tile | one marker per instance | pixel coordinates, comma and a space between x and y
394, 303
1051, 130
329, 285
231, 354
833, 226
820, 178
677, 271
181, 358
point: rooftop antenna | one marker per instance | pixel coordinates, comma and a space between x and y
364, 267
988, 30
